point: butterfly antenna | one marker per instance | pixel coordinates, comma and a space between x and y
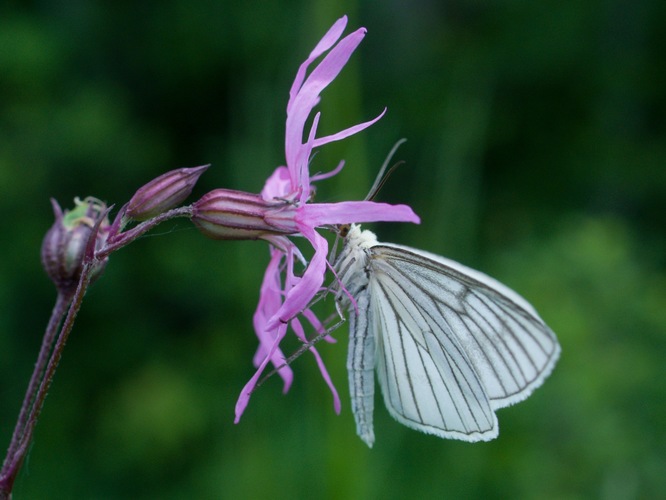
381, 178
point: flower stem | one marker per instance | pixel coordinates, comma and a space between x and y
59, 310
125, 238
41, 381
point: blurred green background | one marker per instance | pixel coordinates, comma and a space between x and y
536, 152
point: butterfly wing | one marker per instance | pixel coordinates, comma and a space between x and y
427, 379
468, 340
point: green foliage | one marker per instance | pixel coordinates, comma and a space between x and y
536, 152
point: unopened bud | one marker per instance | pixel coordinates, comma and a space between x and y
163, 193
64, 246
224, 214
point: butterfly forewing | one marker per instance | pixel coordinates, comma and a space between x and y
510, 347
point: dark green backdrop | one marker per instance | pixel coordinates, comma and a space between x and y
536, 152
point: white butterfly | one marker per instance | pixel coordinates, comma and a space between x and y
450, 344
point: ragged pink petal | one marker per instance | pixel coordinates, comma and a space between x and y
307, 96
327, 378
347, 132
270, 299
278, 185
246, 393
328, 40
327, 175
317, 325
300, 333
302, 165
299, 296
345, 212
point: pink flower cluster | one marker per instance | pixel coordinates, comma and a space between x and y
284, 210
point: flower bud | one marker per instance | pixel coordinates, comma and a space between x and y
224, 214
163, 193
64, 246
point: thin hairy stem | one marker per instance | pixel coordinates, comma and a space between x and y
130, 235
59, 310
14, 460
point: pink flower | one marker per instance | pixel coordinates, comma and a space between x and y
284, 210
